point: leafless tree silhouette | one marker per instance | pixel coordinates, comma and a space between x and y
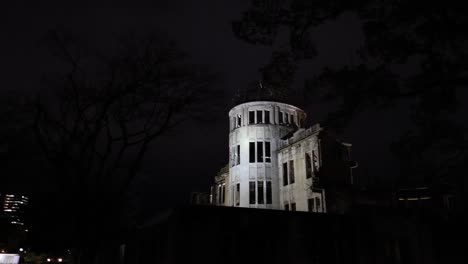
99, 118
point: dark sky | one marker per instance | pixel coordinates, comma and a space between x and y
188, 158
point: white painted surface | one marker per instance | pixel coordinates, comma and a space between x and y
244, 134
9, 258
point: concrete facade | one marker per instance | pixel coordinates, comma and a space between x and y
256, 129
274, 162
300, 159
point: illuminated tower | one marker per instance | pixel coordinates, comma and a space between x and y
13, 208
256, 129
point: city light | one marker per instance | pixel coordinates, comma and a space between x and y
59, 259
48, 260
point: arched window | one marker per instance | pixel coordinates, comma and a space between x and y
308, 162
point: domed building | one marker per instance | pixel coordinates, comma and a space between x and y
277, 163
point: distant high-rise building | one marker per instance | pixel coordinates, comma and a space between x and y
13, 208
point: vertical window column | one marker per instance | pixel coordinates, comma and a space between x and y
291, 172
267, 117
308, 163
252, 152
252, 192
260, 192
239, 120
268, 192
310, 205
285, 174
260, 151
259, 117
251, 117
238, 194
315, 162
267, 152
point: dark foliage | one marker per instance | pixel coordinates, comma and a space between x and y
414, 52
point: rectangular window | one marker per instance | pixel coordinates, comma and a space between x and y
315, 162
260, 192
286, 207
268, 192
318, 204
285, 174
238, 194
251, 117
267, 152
291, 119
259, 117
308, 163
293, 206
310, 205
252, 152
259, 151
291, 171
239, 120
238, 155
281, 121
252, 192
267, 117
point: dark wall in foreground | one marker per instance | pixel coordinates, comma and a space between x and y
237, 235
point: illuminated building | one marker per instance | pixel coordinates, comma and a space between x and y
13, 209
276, 163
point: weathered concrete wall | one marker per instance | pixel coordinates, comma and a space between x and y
243, 132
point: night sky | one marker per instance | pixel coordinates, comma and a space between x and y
188, 157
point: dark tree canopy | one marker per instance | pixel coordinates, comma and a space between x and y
413, 52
